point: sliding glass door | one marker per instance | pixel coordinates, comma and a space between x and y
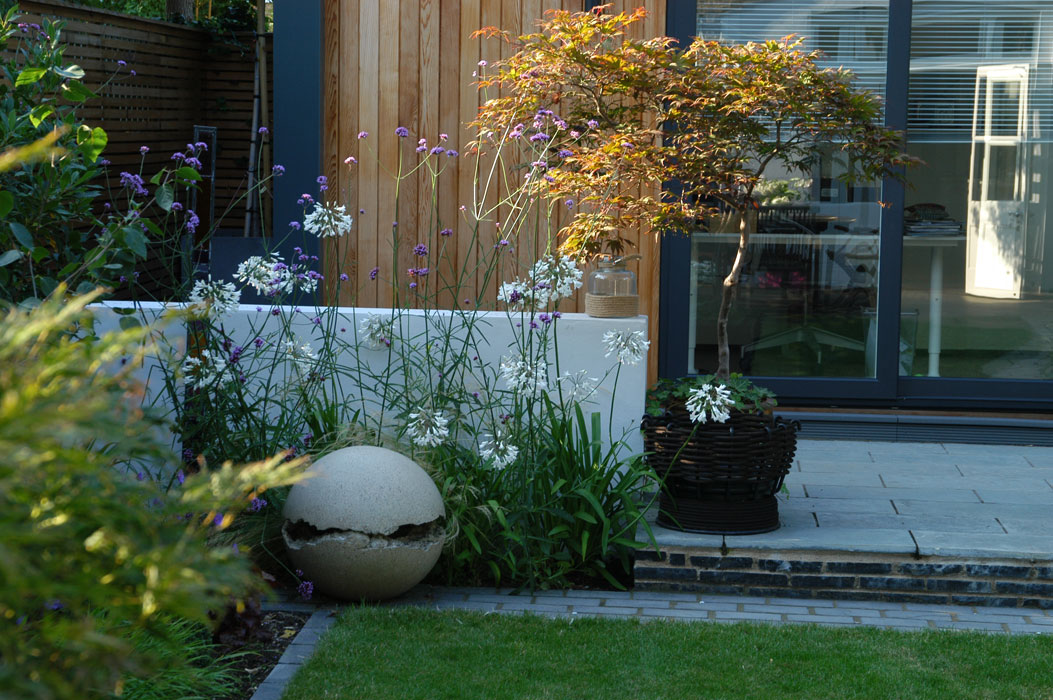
932, 292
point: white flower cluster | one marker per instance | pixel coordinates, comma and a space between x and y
303, 358
206, 369
710, 402
376, 332
550, 280
327, 221
629, 346
499, 449
578, 387
428, 427
524, 375
272, 276
212, 300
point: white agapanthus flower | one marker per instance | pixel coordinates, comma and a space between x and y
272, 276
550, 280
376, 332
629, 346
213, 299
303, 358
499, 449
428, 427
560, 276
579, 386
710, 402
206, 369
523, 375
327, 221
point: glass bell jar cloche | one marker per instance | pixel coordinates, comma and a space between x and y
611, 289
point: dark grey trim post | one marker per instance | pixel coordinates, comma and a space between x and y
890, 270
674, 283
299, 43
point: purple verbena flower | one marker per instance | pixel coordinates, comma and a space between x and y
305, 589
373, 273
402, 132
420, 250
278, 170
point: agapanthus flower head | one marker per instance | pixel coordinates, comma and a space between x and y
206, 369
629, 346
213, 300
577, 387
709, 402
498, 449
327, 221
376, 332
523, 375
272, 276
428, 427
303, 358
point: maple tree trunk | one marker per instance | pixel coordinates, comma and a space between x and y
176, 8
727, 294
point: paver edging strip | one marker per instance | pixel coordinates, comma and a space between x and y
298, 651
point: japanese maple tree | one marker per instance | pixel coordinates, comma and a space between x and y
634, 116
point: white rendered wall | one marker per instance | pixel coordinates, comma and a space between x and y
580, 347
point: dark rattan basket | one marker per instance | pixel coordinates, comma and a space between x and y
725, 477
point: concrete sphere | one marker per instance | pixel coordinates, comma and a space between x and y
366, 524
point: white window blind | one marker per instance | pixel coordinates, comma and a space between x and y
951, 39
851, 33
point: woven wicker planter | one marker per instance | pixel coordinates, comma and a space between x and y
726, 476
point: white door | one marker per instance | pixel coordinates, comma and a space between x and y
997, 183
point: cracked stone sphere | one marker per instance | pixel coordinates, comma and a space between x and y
366, 524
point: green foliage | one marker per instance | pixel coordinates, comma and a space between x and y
89, 553
226, 15
186, 663
748, 397
47, 217
578, 511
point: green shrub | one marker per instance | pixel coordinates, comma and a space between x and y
89, 552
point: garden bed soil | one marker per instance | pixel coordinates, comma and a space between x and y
254, 659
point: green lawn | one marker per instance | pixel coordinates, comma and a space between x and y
410, 653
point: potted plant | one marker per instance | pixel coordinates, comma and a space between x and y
711, 118
721, 453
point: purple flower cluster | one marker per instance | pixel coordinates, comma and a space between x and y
192, 221
305, 589
420, 250
402, 132
446, 232
373, 273
134, 183
257, 505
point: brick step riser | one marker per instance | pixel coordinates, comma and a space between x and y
848, 576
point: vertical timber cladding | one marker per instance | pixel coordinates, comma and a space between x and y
409, 63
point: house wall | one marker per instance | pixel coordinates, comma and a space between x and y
390, 63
